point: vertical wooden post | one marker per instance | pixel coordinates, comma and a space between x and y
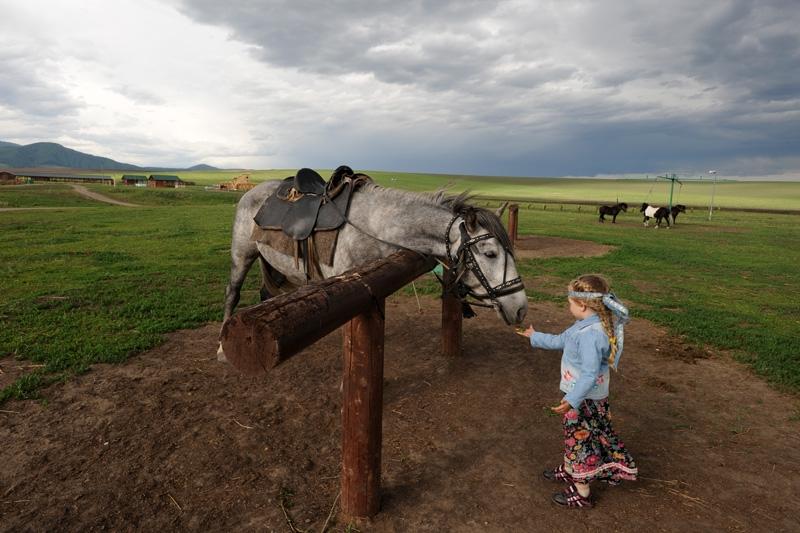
362, 410
513, 213
451, 321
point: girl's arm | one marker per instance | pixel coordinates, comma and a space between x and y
590, 351
547, 341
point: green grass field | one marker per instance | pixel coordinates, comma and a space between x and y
728, 194
101, 283
42, 195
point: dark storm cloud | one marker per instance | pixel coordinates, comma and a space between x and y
629, 86
754, 46
358, 36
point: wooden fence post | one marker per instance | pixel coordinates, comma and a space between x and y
451, 320
362, 410
513, 215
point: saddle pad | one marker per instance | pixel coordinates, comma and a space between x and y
324, 242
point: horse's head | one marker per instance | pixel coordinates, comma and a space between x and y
679, 208
644, 206
481, 249
623, 206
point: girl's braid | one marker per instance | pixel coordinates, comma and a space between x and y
595, 283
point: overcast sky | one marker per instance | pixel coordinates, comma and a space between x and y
527, 88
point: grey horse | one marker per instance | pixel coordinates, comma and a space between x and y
381, 221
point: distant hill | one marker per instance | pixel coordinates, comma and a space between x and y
45, 154
40, 155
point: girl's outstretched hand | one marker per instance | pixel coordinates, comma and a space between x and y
561, 408
526, 332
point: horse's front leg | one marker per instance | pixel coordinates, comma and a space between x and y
241, 261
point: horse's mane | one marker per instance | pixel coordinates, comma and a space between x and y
457, 205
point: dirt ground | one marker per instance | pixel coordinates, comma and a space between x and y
536, 246
83, 191
174, 440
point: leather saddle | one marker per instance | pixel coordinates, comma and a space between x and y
305, 202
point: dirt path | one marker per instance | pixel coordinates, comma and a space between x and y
173, 440
83, 191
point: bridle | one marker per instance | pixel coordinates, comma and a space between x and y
463, 260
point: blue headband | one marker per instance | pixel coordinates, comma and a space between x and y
616, 307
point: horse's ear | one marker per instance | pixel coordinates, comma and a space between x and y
471, 218
500, 210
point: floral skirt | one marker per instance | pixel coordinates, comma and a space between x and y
592, 450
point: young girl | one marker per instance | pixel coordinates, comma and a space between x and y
592, 450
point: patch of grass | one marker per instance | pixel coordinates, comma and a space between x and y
728, 194
99, 285
764, 195
42, 195
168, 197
726, 283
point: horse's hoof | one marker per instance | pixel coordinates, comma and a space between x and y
221, 354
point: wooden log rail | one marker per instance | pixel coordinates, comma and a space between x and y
259, 337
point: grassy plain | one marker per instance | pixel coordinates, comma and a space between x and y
42, 195
757, 195
101, 283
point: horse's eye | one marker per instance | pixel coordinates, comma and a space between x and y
490, 254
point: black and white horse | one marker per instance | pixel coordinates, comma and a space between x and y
613, 211
652, 211
677, 208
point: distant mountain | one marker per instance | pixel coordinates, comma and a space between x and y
202, 166
4, 143
54, 155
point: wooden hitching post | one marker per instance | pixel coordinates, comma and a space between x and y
451, 321
362, 409
513, 213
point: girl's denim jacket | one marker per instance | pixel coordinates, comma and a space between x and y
584, 363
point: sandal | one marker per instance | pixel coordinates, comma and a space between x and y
570, 497
557, 474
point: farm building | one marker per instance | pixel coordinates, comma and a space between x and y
239, 183
8, 178
133, 179
70, 178
164, 180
